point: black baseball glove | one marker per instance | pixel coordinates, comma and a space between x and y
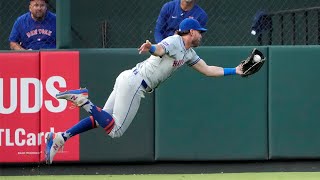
253, 63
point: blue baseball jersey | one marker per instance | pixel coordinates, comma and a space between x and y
33, 34
171, 15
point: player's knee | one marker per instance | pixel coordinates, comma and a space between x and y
96, 123
117, 131
115, 134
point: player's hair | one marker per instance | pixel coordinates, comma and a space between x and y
182, 33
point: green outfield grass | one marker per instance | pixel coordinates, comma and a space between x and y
221, 176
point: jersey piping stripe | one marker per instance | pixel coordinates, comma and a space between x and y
128, 110
194, 62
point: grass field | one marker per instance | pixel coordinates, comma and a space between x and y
227, 176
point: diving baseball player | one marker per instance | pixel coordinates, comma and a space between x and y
130, 86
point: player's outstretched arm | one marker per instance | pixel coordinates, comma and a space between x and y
154, 49
216, 71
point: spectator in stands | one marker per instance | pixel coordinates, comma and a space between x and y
34, 30
173, 12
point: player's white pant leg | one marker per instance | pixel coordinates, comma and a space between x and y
108, 106
128, 93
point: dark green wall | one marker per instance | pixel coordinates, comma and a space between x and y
294, 102
202, 118
271, 115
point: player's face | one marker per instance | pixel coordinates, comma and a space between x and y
196, 40
38, 9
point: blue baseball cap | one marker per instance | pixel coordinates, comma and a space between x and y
190, 23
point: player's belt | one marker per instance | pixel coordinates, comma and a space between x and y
146, 87
143, 83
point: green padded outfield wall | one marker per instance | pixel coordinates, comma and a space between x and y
99, 69
202, 118
294, 101
271, 115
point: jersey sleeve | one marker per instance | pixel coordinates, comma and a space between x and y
169, 45
15, 35
194, 58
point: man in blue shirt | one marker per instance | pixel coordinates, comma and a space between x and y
173, 12
34, 30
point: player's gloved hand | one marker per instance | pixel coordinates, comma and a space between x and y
253, 63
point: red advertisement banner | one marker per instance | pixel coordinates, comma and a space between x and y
28, 108
19, 107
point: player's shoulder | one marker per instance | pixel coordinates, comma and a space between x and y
173, 43
50, 15
200, 10
175, 36
24, 17
172, 39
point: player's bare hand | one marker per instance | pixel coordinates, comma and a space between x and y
145, 47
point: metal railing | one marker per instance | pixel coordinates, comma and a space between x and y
290, 27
